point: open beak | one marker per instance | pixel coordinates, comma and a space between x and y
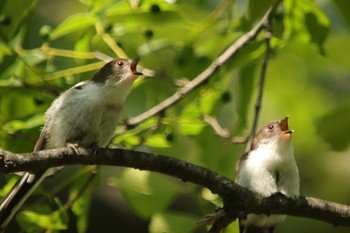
133, 66
284, 126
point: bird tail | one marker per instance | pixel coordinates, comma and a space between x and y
17, 196
255, 229
243, 228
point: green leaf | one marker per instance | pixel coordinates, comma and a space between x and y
153, 46
81, 206
244, 96
233, 227
164, 13
131, 137
191, 126
78, 22
249, 53
117, 9
190, 122
4, 51
306, 21
343, 7
18, 12
146, 192
334, 128
9, 185
84, 43
16, 125
318, 26
33, 222
172, 222
257, 8
95, 5
158, 141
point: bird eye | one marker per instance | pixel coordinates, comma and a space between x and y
270, 127
120, 63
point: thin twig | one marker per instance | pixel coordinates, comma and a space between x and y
223, 132
258, 104
82, 189
213, 122
152, 130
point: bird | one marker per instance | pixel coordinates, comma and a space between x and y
267, 168
86, 115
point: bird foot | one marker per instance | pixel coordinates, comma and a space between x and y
95, 148
73, 146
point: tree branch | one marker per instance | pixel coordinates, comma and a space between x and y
238, 201
209, 71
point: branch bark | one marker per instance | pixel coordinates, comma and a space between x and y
237, 200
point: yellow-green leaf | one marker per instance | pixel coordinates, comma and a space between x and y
157, 140
78, 22
33, 221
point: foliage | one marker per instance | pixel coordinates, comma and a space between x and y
47, 46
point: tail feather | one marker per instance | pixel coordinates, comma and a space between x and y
17, 196
255, 229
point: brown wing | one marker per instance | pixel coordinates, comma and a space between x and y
240, 162
42, 140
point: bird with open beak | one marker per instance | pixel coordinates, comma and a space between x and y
269, 167
85, 115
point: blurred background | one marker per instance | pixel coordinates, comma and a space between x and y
46, 46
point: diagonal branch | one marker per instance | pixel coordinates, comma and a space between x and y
238, 200
208, 72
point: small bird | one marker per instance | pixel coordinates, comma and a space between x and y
269, 167
85, 115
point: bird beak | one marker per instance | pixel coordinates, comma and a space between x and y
284, 127
133, 66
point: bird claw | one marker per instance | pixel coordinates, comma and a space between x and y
95, 148
74, 147
211, 219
